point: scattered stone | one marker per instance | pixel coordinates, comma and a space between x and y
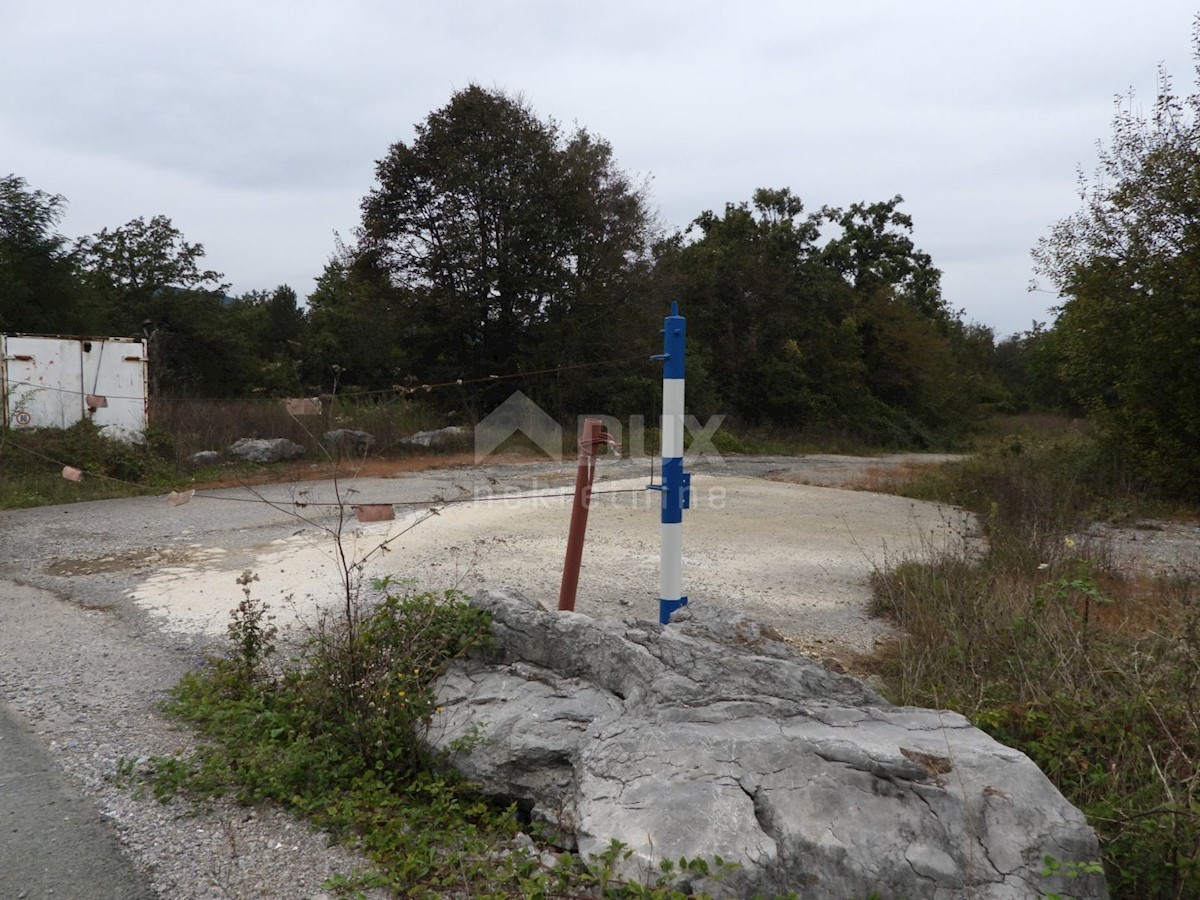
204, 458
712, 737
348, 441
123, 434
442, 437
265, 450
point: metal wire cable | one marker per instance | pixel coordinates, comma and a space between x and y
402, 390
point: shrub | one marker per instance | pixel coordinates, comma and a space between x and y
31, 463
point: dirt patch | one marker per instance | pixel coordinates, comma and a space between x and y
149, 558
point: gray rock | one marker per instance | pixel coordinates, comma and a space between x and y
265, 450
204, 458
442, 437
346, 440
712, 737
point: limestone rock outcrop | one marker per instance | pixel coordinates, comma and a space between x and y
711, 736
348, 441
265, 450
442, 438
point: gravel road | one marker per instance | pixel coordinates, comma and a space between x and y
104, 605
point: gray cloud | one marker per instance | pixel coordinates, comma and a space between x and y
256, 126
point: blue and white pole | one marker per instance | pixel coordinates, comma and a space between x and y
676, 485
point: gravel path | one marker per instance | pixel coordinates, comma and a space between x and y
90, 641
87, 684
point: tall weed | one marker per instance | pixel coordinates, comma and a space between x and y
215, 424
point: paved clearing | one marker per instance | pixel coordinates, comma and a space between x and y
106, 604
792, 555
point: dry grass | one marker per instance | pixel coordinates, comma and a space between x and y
195, 425
883, 478
1044, 426
1094, 674
1090, 667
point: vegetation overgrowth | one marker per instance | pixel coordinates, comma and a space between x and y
1042, 638
334, 731
32, 461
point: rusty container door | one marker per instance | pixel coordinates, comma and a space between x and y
43, 382
115, 370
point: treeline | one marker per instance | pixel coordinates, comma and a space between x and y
498, 242
144, 279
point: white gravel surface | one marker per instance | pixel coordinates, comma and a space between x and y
107, 604
794, 556
90, 688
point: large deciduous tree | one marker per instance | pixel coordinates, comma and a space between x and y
506, 243
146, 278
1128, 265
134, 266
37, 287
874, 252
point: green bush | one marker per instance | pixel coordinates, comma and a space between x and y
32, 460
1128, 326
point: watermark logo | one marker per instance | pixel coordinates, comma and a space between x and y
520, 415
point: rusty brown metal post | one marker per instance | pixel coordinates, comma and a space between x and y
589, 439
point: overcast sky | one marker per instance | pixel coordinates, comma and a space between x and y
255, 125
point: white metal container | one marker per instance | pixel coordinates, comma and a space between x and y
54, 382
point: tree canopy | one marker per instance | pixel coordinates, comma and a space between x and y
145, 278
37, 289
132, 267
502, 242
825, 319
496, 241
1128, 266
